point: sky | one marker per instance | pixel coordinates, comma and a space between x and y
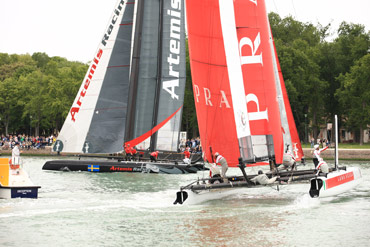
73, 28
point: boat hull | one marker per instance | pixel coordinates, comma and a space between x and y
8, 192
203, 189
335, 183
121, 166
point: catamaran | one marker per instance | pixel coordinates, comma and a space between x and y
241, 101
132, 93
337, 181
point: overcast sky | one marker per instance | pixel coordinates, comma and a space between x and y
73, 28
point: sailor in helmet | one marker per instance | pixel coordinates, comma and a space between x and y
220, 160
316, 154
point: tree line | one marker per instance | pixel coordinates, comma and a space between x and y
323, 77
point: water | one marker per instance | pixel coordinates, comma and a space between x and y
123, 209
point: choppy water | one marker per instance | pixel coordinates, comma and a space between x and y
122, 209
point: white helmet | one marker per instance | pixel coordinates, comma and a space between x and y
316, 146
217, 154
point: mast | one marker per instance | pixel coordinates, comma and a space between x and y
135, 59
153, 140
336, 143
160, 72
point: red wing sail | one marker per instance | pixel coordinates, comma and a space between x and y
233, 80
211, 85
259, 77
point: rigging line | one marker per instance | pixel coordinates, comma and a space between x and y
295, 13
276, 7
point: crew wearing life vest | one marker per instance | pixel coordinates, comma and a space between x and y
154, 156
130, 152
187, 156
316, 154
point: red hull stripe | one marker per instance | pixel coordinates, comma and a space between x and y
258, 164
342, 179
142, 138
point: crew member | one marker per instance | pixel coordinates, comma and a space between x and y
222, 161
316, 154
16, 156
289, 160
187, 156
262, 179
133, 152
154, 156
214, 173
128, 152
322, 166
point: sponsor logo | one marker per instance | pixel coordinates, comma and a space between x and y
58, 146
86, 147
335, 181
250, 53
80, 97
116, 13
295, 150
205, 96
24, 191
115, 168
173, 59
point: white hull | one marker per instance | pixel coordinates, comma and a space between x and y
208, 195
15, 182
335, 183
217, 194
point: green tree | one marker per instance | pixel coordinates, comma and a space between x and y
354, 97
297, 45
10, 106
189, 116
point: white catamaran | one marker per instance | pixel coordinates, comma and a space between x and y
241, 101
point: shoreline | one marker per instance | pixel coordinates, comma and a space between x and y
344, 154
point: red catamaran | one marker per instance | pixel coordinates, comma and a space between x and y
241, 102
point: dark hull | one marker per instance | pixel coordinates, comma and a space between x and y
121, 166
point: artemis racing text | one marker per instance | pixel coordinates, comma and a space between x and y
173, 58
76, 106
